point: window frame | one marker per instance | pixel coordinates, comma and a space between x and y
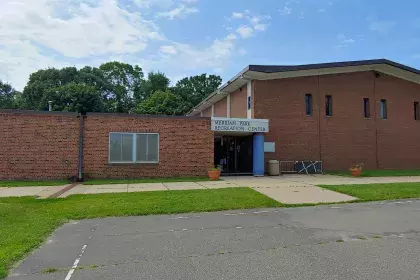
308, 104
366, 107
383, 109
134, 145
329, 105
416, 111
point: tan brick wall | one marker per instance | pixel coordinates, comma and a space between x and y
186, 146
346, 137
220, 108
238, 104
38, 145
207, 112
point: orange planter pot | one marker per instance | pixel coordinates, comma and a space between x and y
356, 172
214, 175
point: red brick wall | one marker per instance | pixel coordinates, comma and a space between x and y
238, 103
38, 145
283, 103
399, 135
346, 137
220, 108
186, 146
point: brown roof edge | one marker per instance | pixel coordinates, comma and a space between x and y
123, 115
33, 112
289, 68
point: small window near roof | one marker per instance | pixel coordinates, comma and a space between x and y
416, 111
366, 107
308, 104
384, 109
328, 105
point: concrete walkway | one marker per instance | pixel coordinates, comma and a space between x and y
41, 191
291, 189
288, 189
145, 187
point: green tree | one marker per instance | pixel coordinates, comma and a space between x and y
125, 81
39, 83
156, 81
194, 89
9, 97
161, 103
74, 97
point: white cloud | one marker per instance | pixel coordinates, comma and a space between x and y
180, 12
190, 1
237, 15
168, 49
260, 27
215, 56
343, 41
34, 34
285, 10
321, 10
257, 23
164, 4
231, 36
245, 31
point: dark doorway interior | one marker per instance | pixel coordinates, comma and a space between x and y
233, 154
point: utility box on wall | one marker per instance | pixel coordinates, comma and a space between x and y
269, 147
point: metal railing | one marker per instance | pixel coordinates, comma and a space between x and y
301, 167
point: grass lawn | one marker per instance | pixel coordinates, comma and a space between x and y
25, 222
378, 173
144, 180
32, 183
371, 192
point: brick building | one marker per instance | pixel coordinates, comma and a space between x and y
51, 145
337, 113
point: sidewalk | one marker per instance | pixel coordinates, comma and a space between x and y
288, 189
41, 191
145, 187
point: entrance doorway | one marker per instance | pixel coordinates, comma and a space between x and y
234, 154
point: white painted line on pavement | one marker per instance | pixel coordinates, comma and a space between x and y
76, 262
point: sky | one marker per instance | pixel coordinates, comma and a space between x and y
190, 37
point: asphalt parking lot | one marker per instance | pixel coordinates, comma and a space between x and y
377, 240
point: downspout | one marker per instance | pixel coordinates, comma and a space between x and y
81, 132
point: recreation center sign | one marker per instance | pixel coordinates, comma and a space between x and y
239, 125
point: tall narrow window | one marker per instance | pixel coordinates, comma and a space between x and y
366, 107
328, 105
249, 103
384, 110
416, 111
308, 104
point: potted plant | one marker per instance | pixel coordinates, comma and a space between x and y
356, 170
214, 173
